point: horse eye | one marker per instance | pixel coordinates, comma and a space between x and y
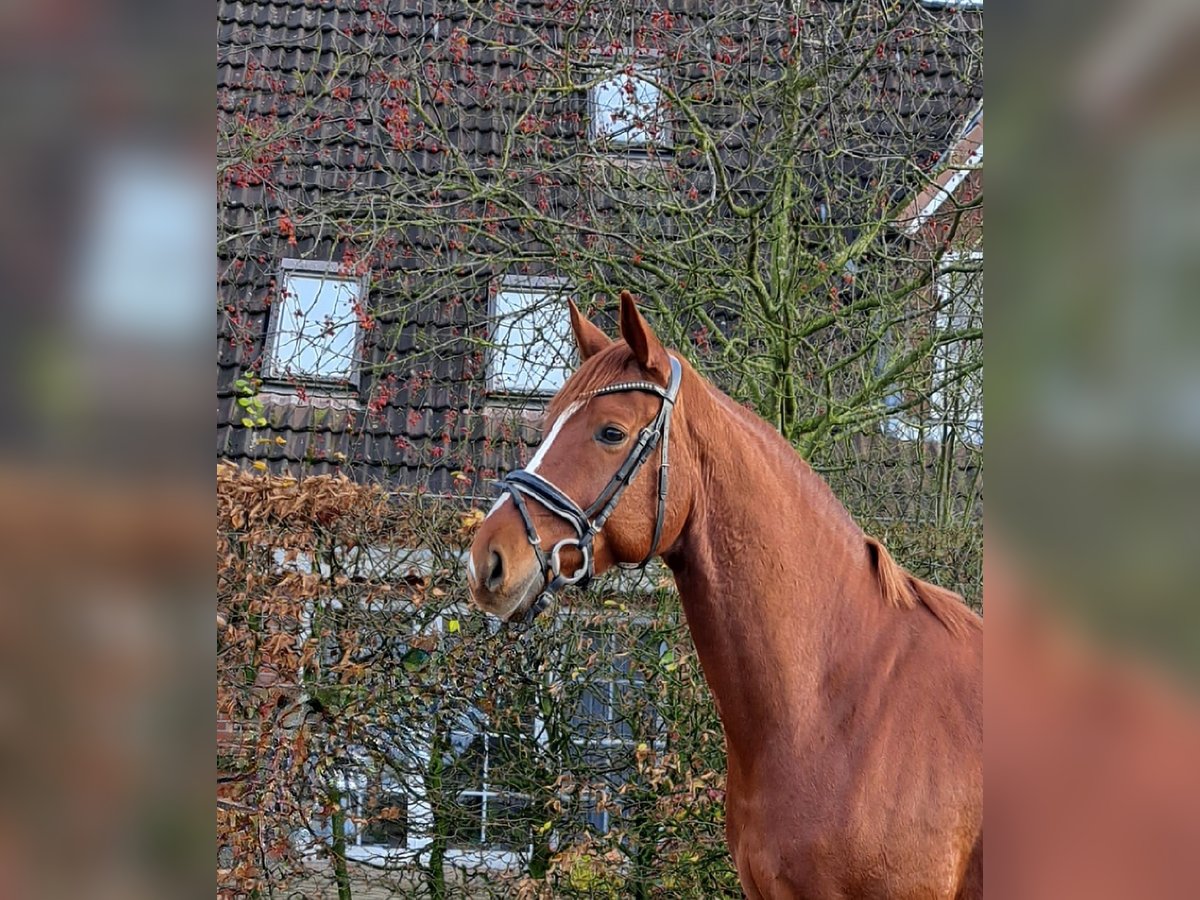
610, 434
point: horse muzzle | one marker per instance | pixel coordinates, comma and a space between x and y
503, 574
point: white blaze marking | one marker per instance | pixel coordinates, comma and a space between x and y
471, 568
557, 427
541, 450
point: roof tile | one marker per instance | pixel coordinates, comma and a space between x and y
266, 45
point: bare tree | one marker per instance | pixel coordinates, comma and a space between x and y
741, 167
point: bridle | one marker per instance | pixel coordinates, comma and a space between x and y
587, 523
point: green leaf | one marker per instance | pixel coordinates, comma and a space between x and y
243, 402
415, 659
247, 422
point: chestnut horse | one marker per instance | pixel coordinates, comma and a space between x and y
850, 691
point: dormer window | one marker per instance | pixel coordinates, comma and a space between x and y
532, 347
312, 335
627, 109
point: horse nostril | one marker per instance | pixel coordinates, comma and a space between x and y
495, 571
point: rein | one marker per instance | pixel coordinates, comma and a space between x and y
587, 523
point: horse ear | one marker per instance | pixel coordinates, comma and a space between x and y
645, 344
588, 338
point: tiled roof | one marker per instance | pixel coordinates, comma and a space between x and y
303, 62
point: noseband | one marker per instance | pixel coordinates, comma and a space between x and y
587, 523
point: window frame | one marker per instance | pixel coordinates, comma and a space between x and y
931, 426
965, 5
354, 783
968, 430
553, 288
272, 365
485, 790
605, 141
610, 741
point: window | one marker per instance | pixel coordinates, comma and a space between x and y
313, 334
955, 398
956, 402
626, 109
611, 716
532, 347
376, 807
487, 759
477, 763
382, 784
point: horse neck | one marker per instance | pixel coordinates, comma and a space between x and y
773, 574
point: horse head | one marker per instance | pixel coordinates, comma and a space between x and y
606, 486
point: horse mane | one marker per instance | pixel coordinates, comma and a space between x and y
904, 590
900, 588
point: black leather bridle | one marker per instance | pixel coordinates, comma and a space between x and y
587, 523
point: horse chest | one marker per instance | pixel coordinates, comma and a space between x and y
787, 848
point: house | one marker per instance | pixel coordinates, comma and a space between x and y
365, 325
408, 191
944, 223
